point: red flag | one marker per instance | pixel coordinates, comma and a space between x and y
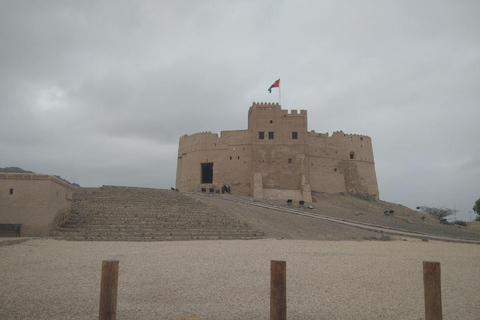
276, 84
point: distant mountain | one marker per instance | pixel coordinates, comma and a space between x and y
70, 183
20, 170
14, 170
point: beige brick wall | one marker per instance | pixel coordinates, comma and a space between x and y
281, 167
38, 202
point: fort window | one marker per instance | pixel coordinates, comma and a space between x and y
289, 160
271, 121
261, 135
207, 172
294, 135
238, 157
361, 139
11, 191
334, 169
230, 158
271, 135
352, 155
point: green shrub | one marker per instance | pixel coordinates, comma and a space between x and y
476, 207
461, 223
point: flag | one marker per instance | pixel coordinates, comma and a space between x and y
276, 84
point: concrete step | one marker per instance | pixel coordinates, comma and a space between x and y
149, 239
70, 225
102, 228
146, 216
141, 222
142, 214
192, 233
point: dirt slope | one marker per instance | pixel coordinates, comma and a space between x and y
277, 224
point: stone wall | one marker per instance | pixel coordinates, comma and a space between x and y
39, 202
230, 154
342, 163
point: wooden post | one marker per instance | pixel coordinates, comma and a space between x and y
433, 290
108, 290
278, 290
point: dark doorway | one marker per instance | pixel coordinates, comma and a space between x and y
207, 172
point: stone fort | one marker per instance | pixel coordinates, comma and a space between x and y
277, 158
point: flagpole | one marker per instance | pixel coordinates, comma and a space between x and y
279, 95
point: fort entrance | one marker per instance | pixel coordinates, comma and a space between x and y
207, 172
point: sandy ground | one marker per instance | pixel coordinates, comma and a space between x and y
277, 224
51, 279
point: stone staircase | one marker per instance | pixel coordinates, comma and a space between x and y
114, 213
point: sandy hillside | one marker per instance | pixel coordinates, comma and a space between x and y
278, 224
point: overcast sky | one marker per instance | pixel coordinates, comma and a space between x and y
99, 92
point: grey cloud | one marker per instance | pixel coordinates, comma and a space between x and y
100, 92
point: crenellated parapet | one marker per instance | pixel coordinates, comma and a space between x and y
342, 146
197, 141
265, 105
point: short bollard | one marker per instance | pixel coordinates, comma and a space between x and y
108, 290
433, 290
278, 290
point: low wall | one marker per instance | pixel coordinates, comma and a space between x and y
39, 202
282, 194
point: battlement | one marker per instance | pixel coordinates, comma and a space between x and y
296, 112
341, 133
198, 134
276, 107
265, 105
336, 134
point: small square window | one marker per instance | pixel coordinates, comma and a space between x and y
289, 160
294, 135
334, 169
271, 121
261, 135
11, 191
271, 135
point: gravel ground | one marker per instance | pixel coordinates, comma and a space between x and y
50, 279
